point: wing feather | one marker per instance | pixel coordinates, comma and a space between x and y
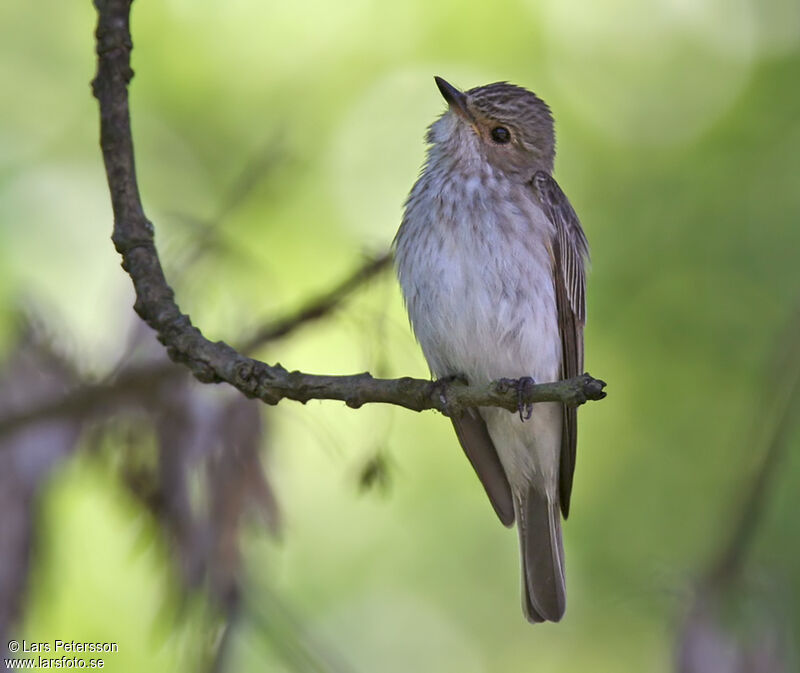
477, 444
570, 254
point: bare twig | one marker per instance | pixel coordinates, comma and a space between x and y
217, 361
355, 390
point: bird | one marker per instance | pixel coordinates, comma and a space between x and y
491, 260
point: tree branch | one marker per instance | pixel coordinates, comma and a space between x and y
215, 362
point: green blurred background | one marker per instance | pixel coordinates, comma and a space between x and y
678, 128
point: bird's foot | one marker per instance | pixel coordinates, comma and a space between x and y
440, 389
525, 409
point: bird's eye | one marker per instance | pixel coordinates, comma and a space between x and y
501, 135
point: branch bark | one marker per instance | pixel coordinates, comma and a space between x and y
215, 362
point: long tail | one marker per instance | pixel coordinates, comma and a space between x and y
544, 592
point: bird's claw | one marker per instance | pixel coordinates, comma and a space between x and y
525, 409
440, 386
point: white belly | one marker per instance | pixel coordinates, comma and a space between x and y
480, 292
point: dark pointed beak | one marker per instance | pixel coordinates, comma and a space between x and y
456, 99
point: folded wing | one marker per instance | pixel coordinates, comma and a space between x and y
570, 253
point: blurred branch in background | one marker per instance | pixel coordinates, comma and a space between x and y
206, 231
27, 457
772, 427
319, 306
707, 641
199, 484
177, 434
286, 635
218, 362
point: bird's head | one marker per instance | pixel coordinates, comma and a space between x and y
505, 125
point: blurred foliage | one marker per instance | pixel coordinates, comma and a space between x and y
679, 145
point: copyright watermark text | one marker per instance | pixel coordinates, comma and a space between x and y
57, 654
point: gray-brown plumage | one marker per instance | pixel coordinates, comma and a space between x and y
490, 257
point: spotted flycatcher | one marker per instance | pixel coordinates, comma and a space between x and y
490, 257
